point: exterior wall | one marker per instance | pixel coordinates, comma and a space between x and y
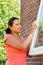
29, 10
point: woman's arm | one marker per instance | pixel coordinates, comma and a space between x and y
29, 38
17, 43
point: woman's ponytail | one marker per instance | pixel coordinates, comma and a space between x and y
8, 31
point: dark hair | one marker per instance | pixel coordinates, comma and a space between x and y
10, 23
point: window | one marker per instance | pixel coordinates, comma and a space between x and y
36, 47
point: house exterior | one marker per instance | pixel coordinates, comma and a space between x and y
29, 10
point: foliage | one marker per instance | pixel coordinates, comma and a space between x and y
8, 9
41, 24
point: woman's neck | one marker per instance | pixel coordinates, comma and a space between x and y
15, 34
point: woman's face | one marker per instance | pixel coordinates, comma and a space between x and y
16, 27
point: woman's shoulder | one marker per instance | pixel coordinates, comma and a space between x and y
7, 36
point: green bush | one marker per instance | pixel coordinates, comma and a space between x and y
8, 9
2, 53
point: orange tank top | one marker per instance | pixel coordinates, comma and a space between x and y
14, 56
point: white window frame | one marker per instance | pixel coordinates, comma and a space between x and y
36, 50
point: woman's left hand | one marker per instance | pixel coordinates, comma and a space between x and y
34, 26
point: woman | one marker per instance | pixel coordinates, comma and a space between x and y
14, 45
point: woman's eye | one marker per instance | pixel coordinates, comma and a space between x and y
18, 24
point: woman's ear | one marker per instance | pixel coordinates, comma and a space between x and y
10, 27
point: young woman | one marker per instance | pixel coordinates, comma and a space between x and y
16, 46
